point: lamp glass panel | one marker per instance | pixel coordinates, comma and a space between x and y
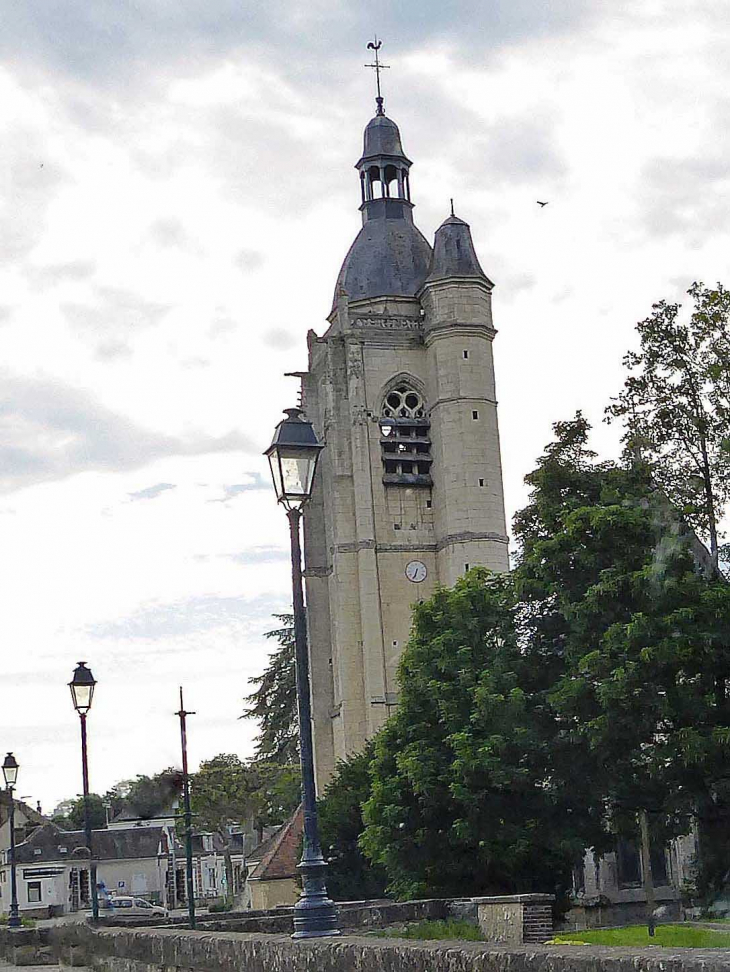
297, 472
82, 696
276, 474
11, 775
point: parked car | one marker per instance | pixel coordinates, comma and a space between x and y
127, 906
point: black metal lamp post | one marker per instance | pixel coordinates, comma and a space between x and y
293, 456
82, 692
10, 772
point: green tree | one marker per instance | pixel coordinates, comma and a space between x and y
613, 587
69, 814
278, 793
223, 792
531, 704
475, 790
150, 796
350, 875
274, 701
676, 405
227, 791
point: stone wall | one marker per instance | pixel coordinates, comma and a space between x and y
175, 950
516, 918
602, 912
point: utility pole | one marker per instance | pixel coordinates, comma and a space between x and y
188, 813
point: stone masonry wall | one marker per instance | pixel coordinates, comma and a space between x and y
516, 918
173, 950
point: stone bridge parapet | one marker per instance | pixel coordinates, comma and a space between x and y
178, 950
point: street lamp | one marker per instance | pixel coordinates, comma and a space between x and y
82, 692
293, 456
10, 772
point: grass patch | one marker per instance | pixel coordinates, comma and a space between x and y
672, 936
451, 928
25, 922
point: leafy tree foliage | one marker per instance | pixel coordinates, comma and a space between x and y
279, 793
69, 814
474, 791
274, 702
150, 796
350, 875
532, 702
607, 574
226, 790
676, 405
223, 792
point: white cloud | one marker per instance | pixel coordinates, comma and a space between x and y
179, 196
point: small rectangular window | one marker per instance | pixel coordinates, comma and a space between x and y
481, 482
475, 415
429, 504
466, 354
34, 892
466, 567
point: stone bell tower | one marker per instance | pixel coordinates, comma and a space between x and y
409, 491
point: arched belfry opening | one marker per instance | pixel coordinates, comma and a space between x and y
405, 439
384, 166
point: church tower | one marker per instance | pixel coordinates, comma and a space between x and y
409, 488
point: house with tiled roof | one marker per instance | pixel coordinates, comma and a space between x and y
272, 866
26, 820
141, 860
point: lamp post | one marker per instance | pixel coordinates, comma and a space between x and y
293, 456
10, 772
82, 692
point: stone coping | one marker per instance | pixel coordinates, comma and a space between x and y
516, 899
232, 951
205, 951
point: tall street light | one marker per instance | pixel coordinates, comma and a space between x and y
293, 456
10, 772
82, 692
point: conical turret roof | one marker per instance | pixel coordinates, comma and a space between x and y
453, 252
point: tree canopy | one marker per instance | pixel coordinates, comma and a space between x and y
531, 703
274, 701
350, 875
675, 405
226, 790
70, 814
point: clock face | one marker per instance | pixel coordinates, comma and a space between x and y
416, 571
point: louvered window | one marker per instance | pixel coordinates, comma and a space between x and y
405, 440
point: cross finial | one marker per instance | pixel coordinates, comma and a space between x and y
375, 46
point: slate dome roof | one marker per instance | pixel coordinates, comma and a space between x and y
389, 258
382, 137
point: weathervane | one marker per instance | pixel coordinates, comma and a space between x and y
375, 46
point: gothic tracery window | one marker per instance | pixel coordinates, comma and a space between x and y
405, 438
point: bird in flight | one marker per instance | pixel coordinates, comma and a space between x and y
541, 204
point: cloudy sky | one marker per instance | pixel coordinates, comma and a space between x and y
177, 195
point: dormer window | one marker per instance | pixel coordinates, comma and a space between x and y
405, 441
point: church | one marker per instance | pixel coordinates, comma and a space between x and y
401, 388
